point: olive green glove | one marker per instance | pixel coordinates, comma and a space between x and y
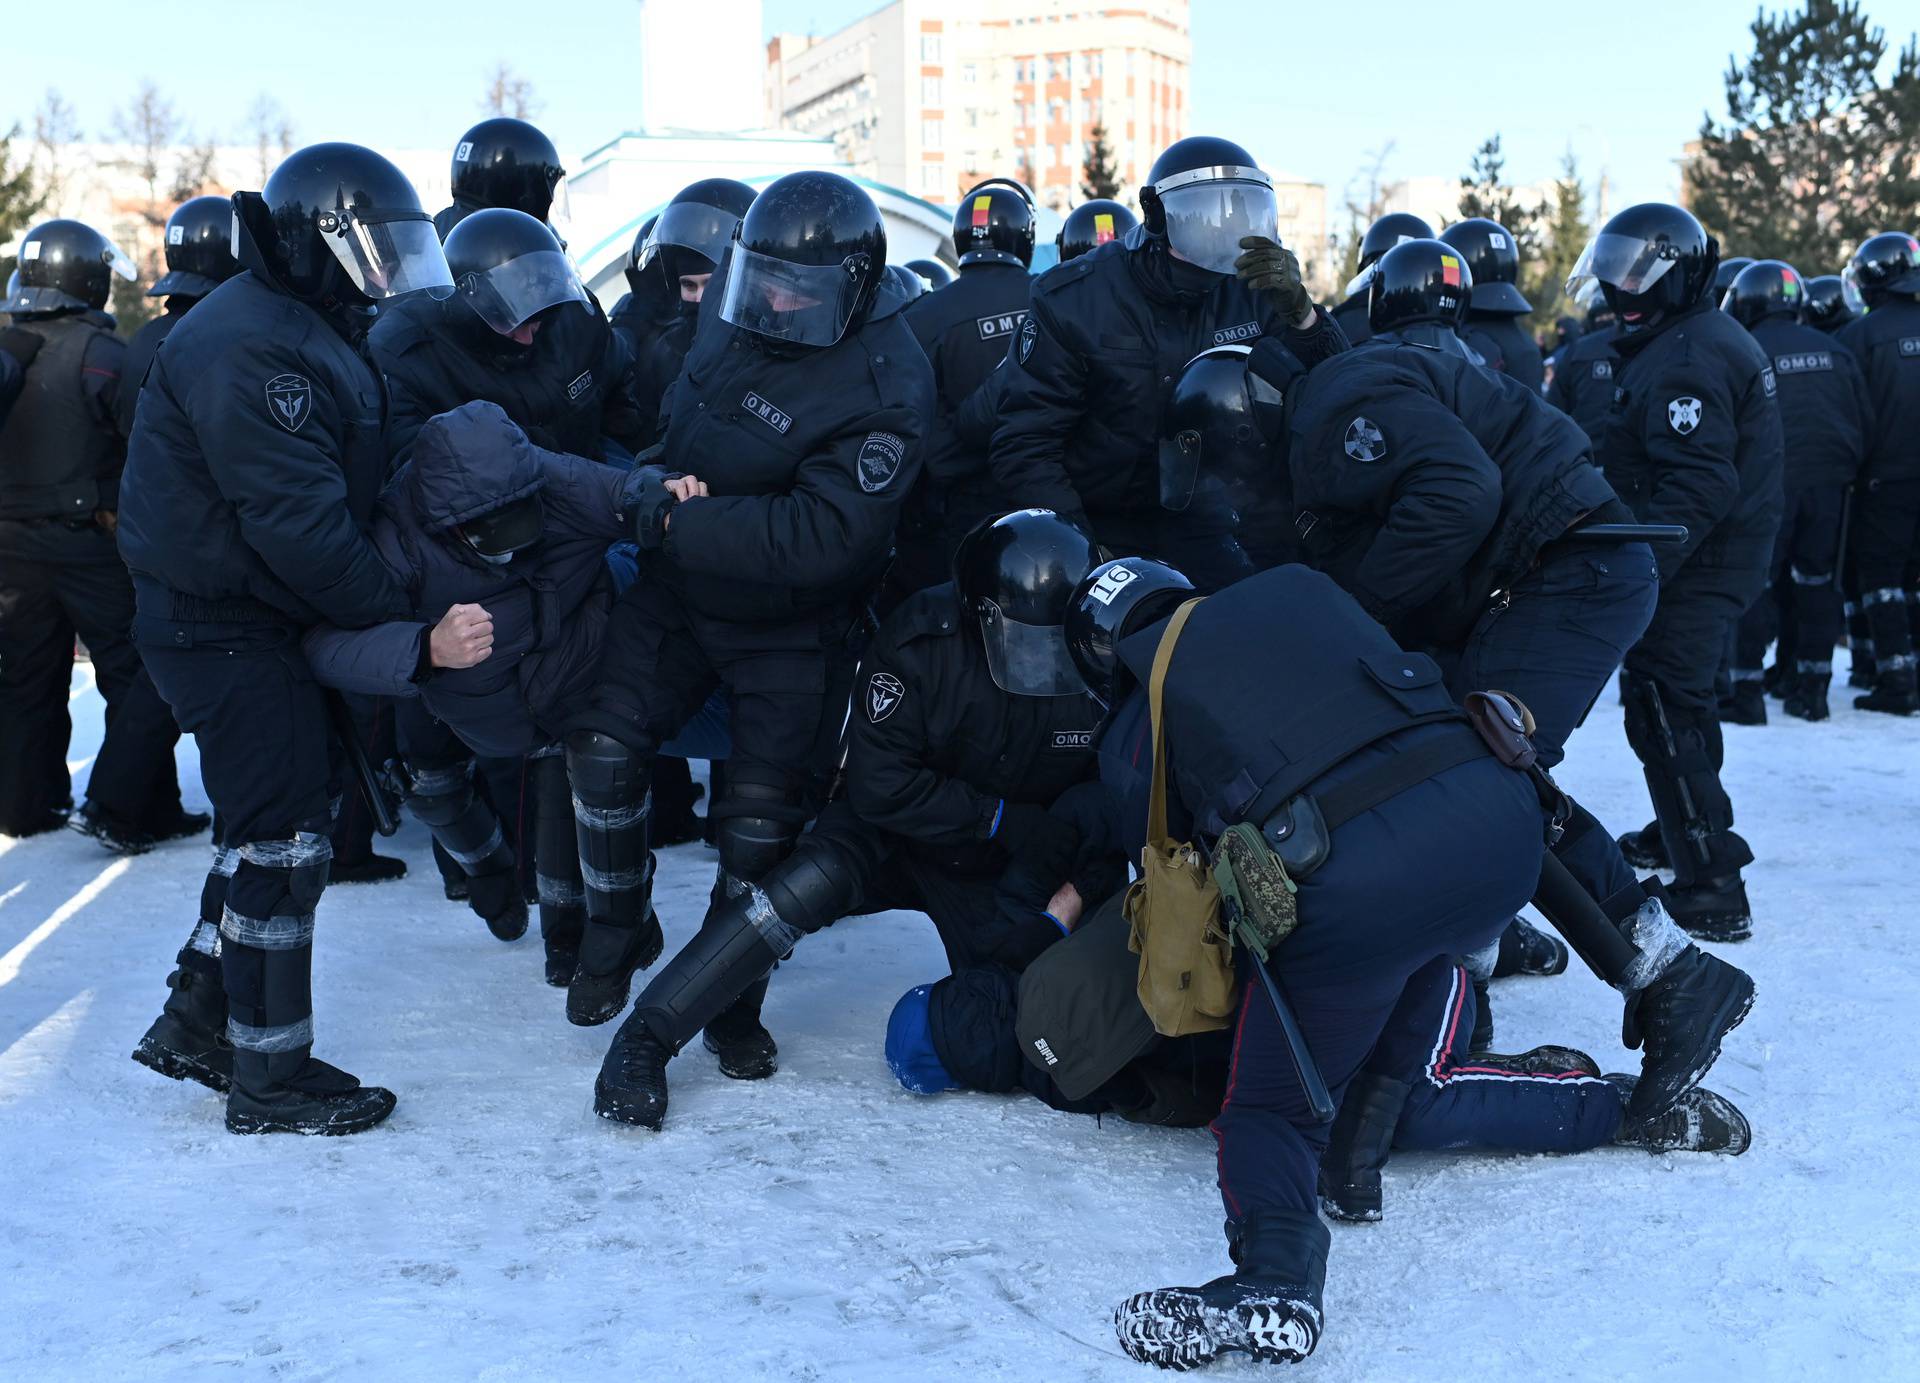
1270, 268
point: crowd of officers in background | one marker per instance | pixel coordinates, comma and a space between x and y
384, 507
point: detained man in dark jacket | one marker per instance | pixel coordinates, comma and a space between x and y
494, 537
793, 436
1089, 372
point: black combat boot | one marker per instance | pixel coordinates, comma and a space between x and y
560, 935
1747, 706
188, 1041
1269, 1308
1893, 694
497, 900
1644, 848
608, 957
1712, 908
1358, 1146
1680, 1020
369, 869
745, 1048
121, 837
632, 1085
290, 1092
1806, 696
1526, 950
1700, 1121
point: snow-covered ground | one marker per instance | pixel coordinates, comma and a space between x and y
826, 1224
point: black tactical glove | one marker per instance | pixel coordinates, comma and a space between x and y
1041, 851
647, 501
21, 344
1270, 268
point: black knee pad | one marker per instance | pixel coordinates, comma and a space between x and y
815, 885
757, 824
461, 822
604, 771
437, 795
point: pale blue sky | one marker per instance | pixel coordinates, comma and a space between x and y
1309, 87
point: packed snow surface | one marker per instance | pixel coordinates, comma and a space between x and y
827, 1224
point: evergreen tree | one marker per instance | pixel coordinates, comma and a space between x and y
1101, 175
1814, 155
21, 197
1484, 193
1564, 232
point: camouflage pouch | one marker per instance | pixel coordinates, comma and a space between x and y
1261, 901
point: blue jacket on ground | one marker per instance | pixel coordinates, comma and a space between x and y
549, 603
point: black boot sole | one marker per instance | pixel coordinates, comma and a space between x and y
247, 1123
1726, 931
623, 1109
735, 1064
1732, 1012
1175, 1329
178, 1066
1639, 857
509, 926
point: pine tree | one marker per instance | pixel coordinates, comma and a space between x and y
21, 197
1564, 232
1483, 193
1814, 155
1101, 175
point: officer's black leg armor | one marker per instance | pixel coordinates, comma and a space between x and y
556, 851
610, 807
466, 828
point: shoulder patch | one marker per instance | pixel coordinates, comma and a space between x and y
1683, 413
1365, 442
289, 400
1246, 331
1768, 383
1603, 369
1910, 347
881, 456
884, 694
775, 418
1029, 333
997, 326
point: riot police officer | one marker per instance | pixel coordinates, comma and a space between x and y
61, 455
1395, 228
1582, 383
681, 250
1725, 273
1831, 303
256, 457
1694, 439
965, 330
503, 162
1090, 225
792, 438
199, 259
968, 723
932, 272
1824, 414
522, 333
1107, 334
1885, 545
1493, 326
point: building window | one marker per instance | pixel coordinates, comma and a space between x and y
930, 91
1093, 64
929, 48
1053, 69
933, 178
930, 133
1056, 110
1059, 156
970, 74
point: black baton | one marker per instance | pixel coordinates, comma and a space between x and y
1631, 532
1303, 1063
349, 737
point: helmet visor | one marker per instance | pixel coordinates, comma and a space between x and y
803, 304
388, 257
1027, 659
1361, 281
1850, 291
508, 294
706, 230
1206, 221
1625, 262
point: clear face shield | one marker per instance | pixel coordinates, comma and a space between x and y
388, 254
706, 230
24, 297
1027, 659
1209, 211
560, 214
801, 304
1626, 263
505, 296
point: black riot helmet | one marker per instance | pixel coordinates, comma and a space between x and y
1222, 420
1015, 575
1203, 196
1025, 193
1494, 261
1765, 288
66, 266
509, 268
1832, 302
812, 250
1651, 260
695, 228
1091, 225
994, 225
1725, 273
1114, 600
1420, 281
1887, 263
199, 249
932, 272
339, 224
1395, 228
907, 282
505, 162
647, 286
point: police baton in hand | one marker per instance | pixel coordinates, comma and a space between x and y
1631, 532
348, 734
